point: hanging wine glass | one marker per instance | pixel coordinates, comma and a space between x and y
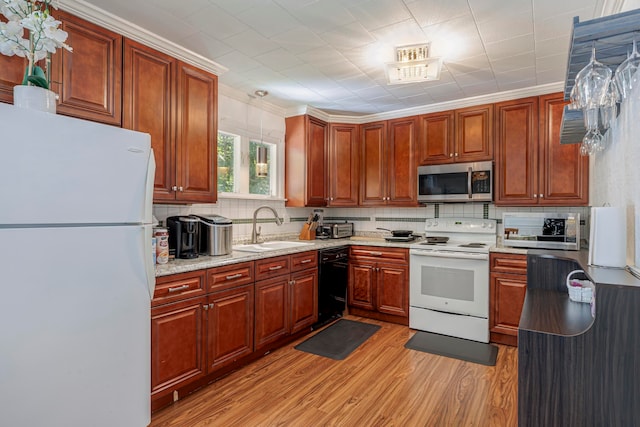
626, 71
609, 108
592, 82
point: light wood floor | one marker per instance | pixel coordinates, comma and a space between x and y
379, 384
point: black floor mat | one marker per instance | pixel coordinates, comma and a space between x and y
338, 340
458, 348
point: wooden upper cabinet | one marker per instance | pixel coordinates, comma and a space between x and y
89, 79
196, 135
373, 161
464, 135
305, 161
12, 70
436, 137
516, 152
149, 89
474, 134
532, 167
564, 173
402, 168
343, 174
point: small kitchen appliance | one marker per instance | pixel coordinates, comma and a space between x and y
337, 230
216, 235
456, 182
543, 230
449, 278
183, 236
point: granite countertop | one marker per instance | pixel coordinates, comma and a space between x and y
203, 262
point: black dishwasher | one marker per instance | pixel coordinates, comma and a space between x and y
332, 284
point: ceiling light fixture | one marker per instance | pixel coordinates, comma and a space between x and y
413, 65
262, 168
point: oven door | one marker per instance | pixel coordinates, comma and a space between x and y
453, 282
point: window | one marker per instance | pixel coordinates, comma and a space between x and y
237, 167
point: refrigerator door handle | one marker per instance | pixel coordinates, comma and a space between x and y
150, 269
148, 194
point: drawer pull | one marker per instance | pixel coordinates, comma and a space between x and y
305, 261
275, 267
233, 276
178, 288
375, 253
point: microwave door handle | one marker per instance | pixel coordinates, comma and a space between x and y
469, 182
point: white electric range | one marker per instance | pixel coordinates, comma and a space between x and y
449, 282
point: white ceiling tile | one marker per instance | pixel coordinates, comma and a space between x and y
323, 16
357, 83
216, 22
299, 40
278, 59
510, 47
251, 43
374, 14
206, 45
181, 9
436, 11
496, 30
486, 10
470, 64
515, 62
372, 92
558, 25
322, 56
480, 89
553, 46
401, 33
237, 62
348, 36
474, 78
545, 8
235, 7
268, 19
551, 62
517, 84
454, 39
516, 75
551, 76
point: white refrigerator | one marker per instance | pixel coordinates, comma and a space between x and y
76, 272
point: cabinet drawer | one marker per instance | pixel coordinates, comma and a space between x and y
375, 252
304, 260
508, 263
178, 287
272, 267
229, 276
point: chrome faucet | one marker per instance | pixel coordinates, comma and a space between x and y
254, 233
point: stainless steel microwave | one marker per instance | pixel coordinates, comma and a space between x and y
456, 182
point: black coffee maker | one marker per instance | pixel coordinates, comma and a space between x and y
183, 236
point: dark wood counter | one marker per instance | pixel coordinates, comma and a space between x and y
573, 369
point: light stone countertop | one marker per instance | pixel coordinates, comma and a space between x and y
203, 262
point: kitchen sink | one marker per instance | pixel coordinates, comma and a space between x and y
269, 246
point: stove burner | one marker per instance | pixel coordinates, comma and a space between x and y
473, 245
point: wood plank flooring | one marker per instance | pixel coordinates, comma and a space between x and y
380, 384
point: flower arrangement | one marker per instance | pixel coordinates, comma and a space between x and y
44, 36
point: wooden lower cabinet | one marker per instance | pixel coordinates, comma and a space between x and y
286, 304
177, 350
229, 326
379, 284
508, 286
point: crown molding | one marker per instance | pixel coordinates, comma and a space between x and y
114, 23
431, 108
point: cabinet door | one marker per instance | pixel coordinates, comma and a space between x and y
401, 157
304, 299
89, 79
229, 326
507, 297
272, 310
343, 174
361, 285
392, 289
517, 152
197, 135
474, 134
11, 74
149, 88
177, 351
436, 138
564, 173
317, 133
373, 173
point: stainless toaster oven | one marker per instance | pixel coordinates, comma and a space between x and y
338, 230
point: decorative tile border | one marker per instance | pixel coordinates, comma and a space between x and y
259, 220
436, 210
400, 219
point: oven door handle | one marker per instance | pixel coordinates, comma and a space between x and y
455, 255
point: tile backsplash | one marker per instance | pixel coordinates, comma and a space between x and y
365, 220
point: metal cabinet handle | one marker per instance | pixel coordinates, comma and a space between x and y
211, 305
275, 267
305, 261
541, 196
180, 188
178, 288
455, 154
450, 154
174, 188
233, 276
205, 307
535, 196
375, 253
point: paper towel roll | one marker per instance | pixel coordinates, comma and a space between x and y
608, 237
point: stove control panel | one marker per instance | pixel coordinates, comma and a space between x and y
461, 225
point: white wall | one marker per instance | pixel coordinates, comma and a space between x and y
615, 173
